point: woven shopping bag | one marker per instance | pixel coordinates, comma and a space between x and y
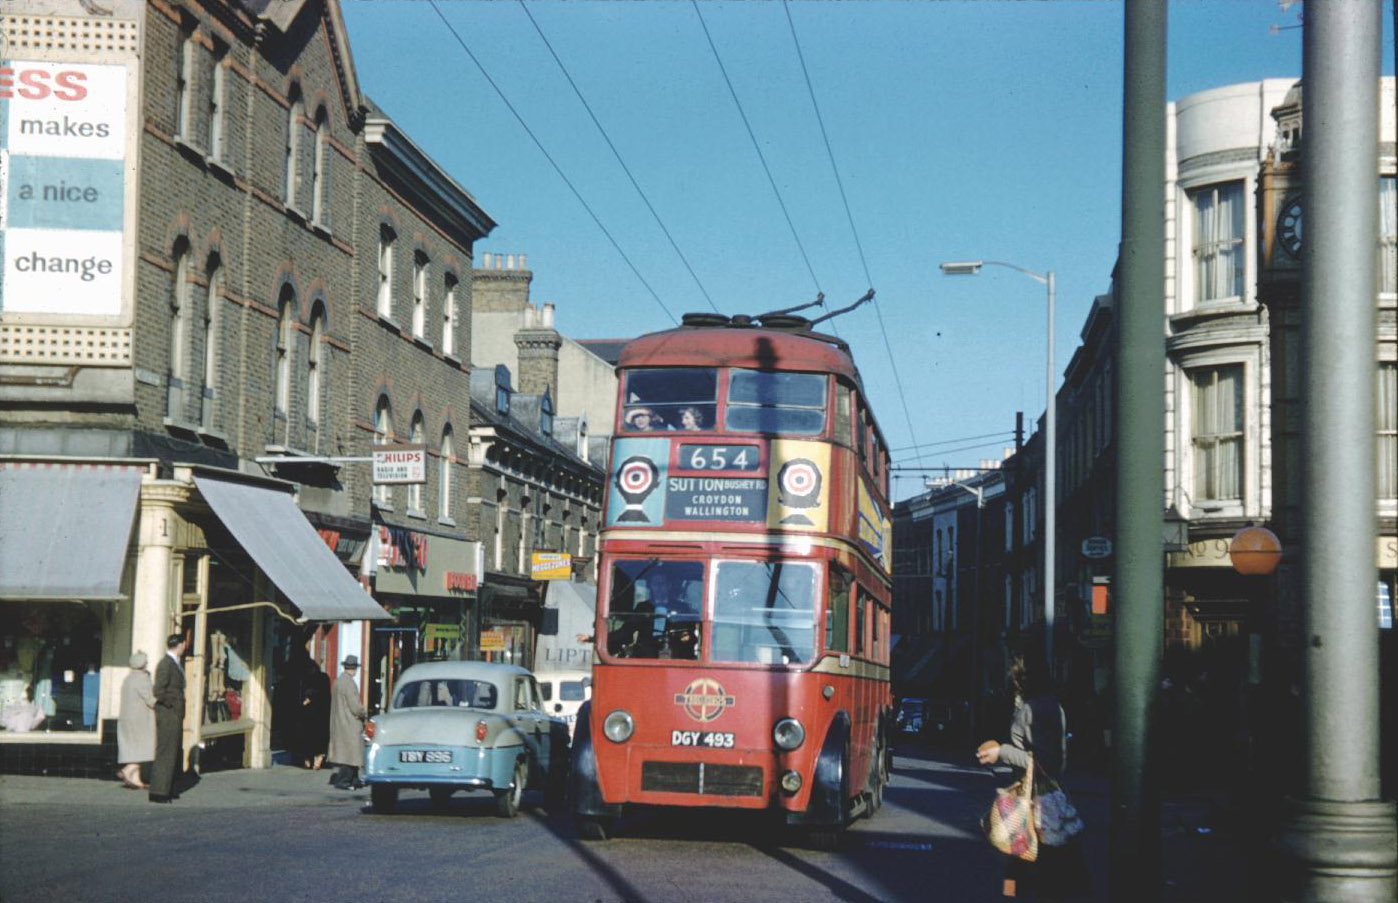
1010, 825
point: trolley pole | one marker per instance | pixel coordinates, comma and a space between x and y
1140, 482
1339, 841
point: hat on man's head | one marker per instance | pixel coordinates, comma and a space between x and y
351, 661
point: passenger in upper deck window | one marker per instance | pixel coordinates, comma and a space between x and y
691, 419
644, 420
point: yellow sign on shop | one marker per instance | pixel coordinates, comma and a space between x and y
550, 566
492, 641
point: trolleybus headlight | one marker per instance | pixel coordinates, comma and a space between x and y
788, 734
618, 726
791, 782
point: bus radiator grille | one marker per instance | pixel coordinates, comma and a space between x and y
697, 777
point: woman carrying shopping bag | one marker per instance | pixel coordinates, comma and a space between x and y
1039, 740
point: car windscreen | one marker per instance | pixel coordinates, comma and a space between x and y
445, 691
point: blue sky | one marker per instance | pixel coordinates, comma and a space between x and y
960, 130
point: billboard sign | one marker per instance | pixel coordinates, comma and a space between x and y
63, 183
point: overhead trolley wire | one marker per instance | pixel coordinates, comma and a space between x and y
1001, 435
556, 168
616, 153
878, 311
755, 146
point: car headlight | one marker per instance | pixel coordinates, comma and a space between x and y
618, 726
788, 734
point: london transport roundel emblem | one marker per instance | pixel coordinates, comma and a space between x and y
635, 479
704, 699
798, 486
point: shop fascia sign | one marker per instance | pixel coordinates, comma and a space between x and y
1096, 547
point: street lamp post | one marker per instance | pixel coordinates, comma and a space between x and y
973, 268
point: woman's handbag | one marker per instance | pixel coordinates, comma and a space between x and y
1010, 825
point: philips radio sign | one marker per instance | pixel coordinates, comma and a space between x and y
63, 187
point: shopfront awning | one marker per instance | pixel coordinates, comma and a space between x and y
65, 528
268, 524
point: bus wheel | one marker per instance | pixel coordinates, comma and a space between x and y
507, 801
825, 838
441, 797
879, 778
592, 827
383, 798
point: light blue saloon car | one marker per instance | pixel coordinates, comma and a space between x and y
466, 726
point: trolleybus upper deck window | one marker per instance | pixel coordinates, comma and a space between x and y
764, 612
654, 609
791, 404
670, 398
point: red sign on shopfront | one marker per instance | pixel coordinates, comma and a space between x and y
461, 582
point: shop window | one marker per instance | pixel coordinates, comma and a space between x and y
50, 659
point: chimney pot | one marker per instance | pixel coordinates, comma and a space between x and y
521, 263
509, 261
548, 316
485, 260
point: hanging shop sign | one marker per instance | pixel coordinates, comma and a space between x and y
493, 640
1096, 547
400, 464
550, 566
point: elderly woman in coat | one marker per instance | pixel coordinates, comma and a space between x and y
136, 723
347, 717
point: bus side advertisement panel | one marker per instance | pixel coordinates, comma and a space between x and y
873, 528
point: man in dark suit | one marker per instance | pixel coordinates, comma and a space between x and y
168, 688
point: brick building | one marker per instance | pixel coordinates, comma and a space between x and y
247, 277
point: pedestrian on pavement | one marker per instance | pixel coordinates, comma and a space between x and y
312, 730
1038, 728
168, 689
136, 724
347, 717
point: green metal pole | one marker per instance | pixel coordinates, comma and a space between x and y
1339, 841
1140, 484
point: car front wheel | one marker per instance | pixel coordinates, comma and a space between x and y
507, 801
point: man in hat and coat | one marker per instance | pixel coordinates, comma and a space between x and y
347, 717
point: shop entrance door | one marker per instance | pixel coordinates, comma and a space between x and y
391, 649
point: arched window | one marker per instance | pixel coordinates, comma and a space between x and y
444, 475
184, 84
218, 102
320, 172
286, 334
387, 237
314, 369
208, 414
383, 434
420, 298
294, 116
415, 489
449, 315
178, 371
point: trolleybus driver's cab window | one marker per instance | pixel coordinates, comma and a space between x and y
654, 609
788, 404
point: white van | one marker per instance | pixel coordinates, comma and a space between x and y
564, 693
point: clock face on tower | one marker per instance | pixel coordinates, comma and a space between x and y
1289, 227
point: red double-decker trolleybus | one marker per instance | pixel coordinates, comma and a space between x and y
742, 636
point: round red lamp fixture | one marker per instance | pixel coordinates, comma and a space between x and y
1255, 551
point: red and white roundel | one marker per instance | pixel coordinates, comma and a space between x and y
799, 478
636, 476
